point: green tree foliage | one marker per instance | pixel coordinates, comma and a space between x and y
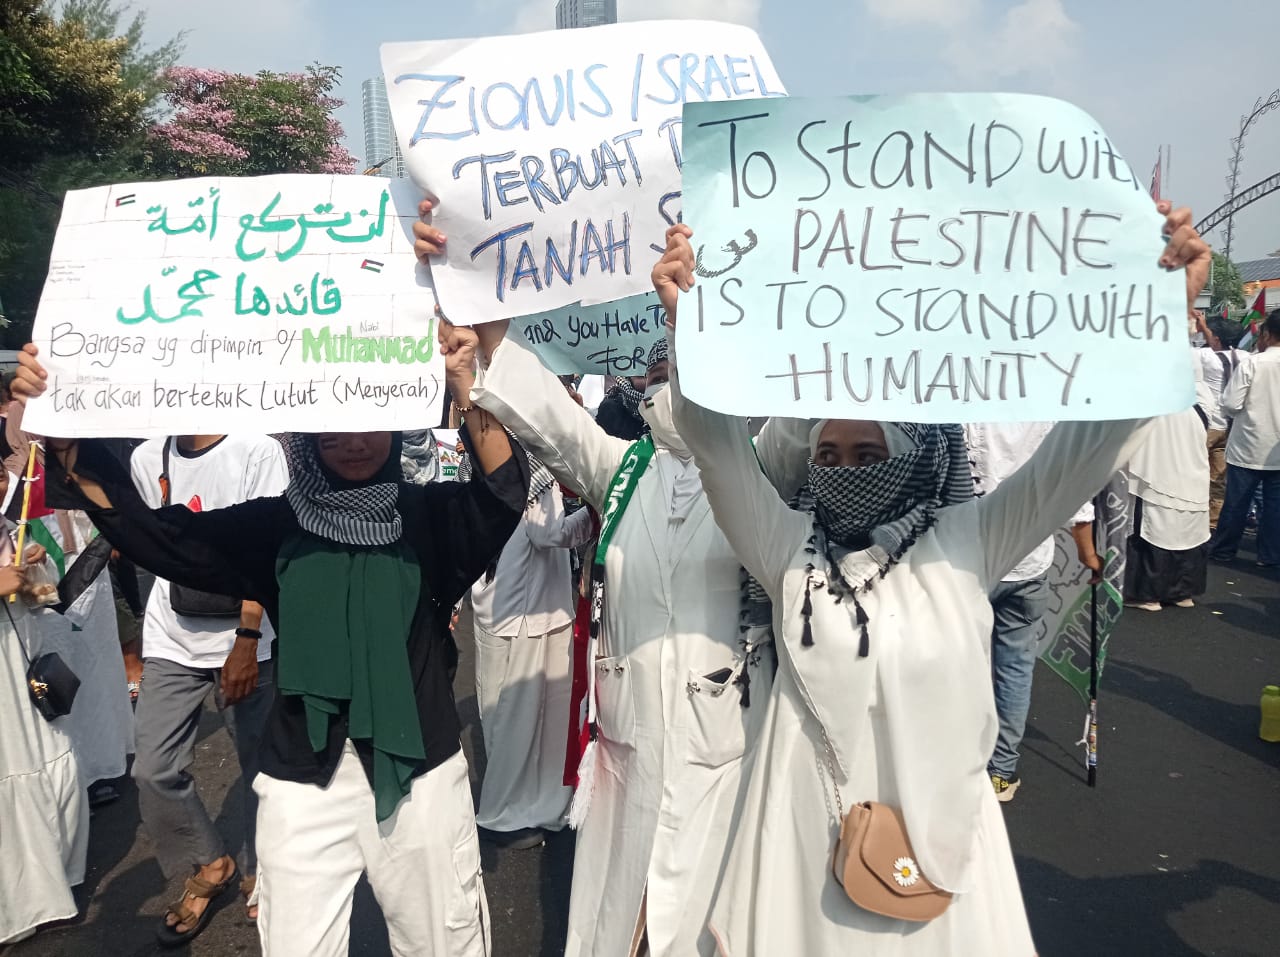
230, 124
1224, 280
77, 92
62, 90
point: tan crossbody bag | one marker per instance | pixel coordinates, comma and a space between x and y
874, 863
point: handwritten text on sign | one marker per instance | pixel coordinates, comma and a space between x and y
215, 305
556, 156
609, 338
924, 258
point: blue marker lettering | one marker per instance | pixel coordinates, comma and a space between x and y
484, 160
437, 102
735, 74
504, 182
605, 108
500, 240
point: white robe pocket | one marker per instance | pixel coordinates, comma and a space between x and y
717, 723
615, 702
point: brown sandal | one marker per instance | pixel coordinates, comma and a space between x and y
196, 889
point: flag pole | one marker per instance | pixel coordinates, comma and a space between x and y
1091, 735
26, 508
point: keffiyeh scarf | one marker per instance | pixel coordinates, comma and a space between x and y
891, 504
894, 501
364, 515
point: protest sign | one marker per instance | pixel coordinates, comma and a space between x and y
609, 338
927, 258
260, 304
555, 157
1063, 633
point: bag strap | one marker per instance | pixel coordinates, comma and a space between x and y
831, 767
22, 645
166, 486
1228, 367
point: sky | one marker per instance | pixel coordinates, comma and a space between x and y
1178, 72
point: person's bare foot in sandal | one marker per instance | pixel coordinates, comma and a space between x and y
185, 918
249, 888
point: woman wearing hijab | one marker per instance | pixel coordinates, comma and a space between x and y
359, 571
523, 618
678, 686
879, 579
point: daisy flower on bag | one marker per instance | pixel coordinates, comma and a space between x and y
905, 872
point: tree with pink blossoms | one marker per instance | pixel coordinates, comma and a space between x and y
230, 124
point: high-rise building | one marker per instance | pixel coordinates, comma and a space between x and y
379, 134
585, 13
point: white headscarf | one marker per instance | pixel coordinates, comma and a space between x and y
681, 481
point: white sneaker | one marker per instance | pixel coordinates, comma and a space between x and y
1186, 603
1143, 605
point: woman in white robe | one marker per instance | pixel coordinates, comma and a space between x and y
674, 719
883, 687
44, 809
523, 619
1168, 546
87, 636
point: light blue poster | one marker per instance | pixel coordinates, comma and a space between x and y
929, 258
608, 338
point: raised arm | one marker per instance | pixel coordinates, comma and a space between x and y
518, 389
783, 450
763, 532
549, 526
1077, 458
459, 528
1074, 462
228, 551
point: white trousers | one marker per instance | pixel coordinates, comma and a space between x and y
423, 863
523, 688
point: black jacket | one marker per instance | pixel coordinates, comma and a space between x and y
455, 529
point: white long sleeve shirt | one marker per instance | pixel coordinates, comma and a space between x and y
1252, 399
531, 585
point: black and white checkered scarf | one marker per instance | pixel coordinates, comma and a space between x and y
629, 393
891, 504
363, 515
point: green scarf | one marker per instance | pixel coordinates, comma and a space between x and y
345, 614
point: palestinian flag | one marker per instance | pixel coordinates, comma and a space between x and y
372, 265
1256, 313
128, 200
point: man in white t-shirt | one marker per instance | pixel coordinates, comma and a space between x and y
1218, 360
1252, 400
218, 644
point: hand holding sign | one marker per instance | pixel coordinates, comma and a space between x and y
675, 270
939, 258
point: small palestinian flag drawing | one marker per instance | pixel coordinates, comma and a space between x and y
127, 200
372, 265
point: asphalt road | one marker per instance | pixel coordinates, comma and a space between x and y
1176, 852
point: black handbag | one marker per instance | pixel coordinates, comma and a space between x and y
191, 602
51, 684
